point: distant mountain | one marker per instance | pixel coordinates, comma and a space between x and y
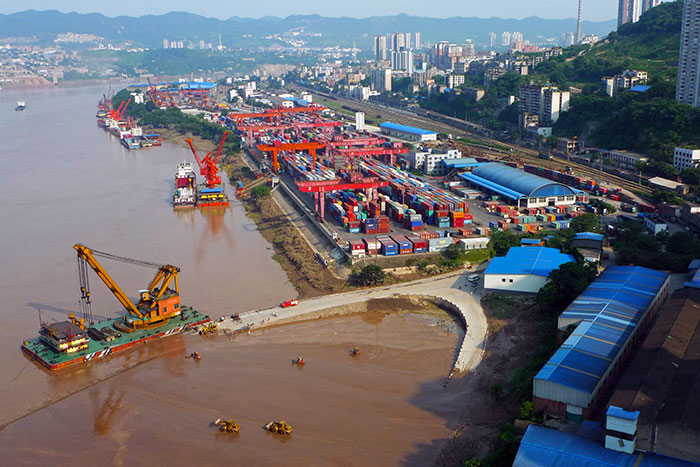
315, 30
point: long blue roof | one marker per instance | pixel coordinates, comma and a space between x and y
517, 181
405, 128
608, 312
589, 236
539, 261
460, 163
544, 446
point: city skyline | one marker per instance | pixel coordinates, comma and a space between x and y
593, 10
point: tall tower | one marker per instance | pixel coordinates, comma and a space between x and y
688, 85
578, 29
628, 11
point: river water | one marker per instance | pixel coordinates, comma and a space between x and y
67, 181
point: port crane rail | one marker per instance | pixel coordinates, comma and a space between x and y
208, 167
158, 302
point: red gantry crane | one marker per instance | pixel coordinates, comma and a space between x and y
320, 187
208, 166
278, 147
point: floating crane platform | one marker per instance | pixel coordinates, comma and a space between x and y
108, 340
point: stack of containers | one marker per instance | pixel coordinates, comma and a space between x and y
419, 245
373, 209
438, 244
457, 219
428, 235
370, 225
354, 226
405, 246
389, 247
357, 248
383, 225
468, 219
413, 221
372, 246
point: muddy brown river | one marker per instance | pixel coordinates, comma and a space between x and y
66, 181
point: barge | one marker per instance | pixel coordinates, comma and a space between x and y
64, 344
158, 313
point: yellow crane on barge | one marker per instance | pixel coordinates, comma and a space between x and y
158, 303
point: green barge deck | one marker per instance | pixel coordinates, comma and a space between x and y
52, 359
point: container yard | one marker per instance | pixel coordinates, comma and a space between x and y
116, 122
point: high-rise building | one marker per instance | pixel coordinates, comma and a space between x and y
402, 60
407, 40
380, 47
492, 39
397, 40
166, 43
631, 10
568, 39
688, 84
517, 37
505, 39
417, 46
381, 79
547, 102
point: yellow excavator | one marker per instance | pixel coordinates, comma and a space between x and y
227, 426
158, 303
281, 427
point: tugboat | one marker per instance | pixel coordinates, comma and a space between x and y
20, 106
185, 190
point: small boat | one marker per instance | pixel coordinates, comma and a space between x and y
20, 106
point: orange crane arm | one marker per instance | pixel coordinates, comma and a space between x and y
221, 146
164, 276
85, 253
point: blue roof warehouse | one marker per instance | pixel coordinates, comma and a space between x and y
523, 269
523, 189
408, 133
610, 316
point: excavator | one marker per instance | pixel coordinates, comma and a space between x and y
158, 303
281, 427
227, 426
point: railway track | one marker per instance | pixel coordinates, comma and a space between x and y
489, 147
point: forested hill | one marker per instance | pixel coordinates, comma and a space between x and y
652, 123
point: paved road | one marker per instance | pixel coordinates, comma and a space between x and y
452, 288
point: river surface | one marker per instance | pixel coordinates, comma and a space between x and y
66, 181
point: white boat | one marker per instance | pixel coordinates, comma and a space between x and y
20, 105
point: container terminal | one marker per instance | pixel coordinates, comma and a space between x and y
116, 122
157, 314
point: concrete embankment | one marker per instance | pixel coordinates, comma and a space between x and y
452, 292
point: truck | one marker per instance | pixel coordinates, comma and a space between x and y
289, 303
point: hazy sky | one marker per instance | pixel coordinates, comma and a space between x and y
594, 10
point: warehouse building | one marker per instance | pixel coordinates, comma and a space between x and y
523, 189
523, 269
610, 316
662, 384
407, 133
590, 245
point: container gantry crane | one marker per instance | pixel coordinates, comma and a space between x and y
208, 166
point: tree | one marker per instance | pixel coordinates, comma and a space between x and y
564, 285
587, 222
455, 256
261, 191
501, 242
371, 275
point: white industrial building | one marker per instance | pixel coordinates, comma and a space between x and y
523, 269
684, 158
475, 243
430, 160
407, 133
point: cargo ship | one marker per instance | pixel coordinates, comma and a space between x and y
157, 314
185, 188
63, 344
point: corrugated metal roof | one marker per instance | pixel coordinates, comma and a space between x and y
622, 413
608, 311
521, 182
405, 128
528, 260
460, 163
547, 447
589, 236
483, 183
530, 241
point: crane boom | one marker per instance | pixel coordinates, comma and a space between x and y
221, 146
86, 254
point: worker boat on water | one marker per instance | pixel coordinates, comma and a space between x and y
157, 314
185, 188
21, 105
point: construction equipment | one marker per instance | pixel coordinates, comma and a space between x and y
355, 352
299, 361
158, 303
227, 426
208, 166
194, 356
281, 427
209, 329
